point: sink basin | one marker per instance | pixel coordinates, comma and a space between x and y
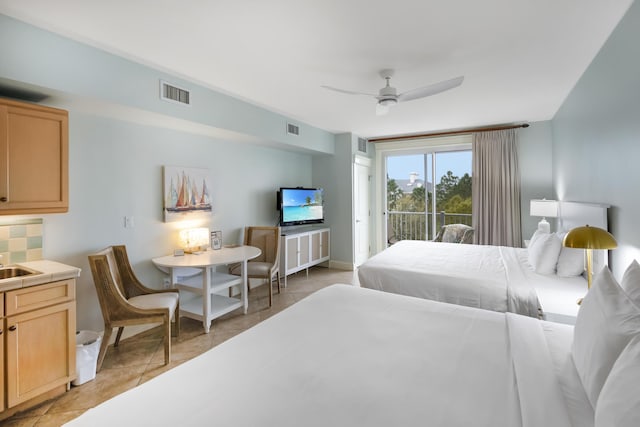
10, 272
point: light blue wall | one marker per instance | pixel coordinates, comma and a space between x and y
333, 173
534, 161
120, 136
596, 138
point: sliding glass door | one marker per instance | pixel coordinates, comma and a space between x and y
426, 190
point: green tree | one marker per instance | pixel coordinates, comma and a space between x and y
453, 194
394, 193
445, 189
418, 199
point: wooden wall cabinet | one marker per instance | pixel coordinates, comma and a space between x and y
39, 339
35, 161
301, 249
2, 329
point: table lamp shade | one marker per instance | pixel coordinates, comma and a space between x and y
543, 208
193, 239
589, 238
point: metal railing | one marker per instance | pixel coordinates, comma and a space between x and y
414, 225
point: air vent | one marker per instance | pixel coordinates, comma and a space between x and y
173, 93
362, 145
293, 129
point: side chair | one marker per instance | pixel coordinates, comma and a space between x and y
125, 301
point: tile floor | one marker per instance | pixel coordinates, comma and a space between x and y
140, 358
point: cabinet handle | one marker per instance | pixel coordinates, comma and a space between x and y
13, 328
3, 199
1, 331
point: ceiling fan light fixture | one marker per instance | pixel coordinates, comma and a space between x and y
387, 102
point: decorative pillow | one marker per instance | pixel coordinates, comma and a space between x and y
467, 237
631, 282
606, 322
619, 401
570, 260
453, 233
543, 253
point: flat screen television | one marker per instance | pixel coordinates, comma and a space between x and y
300, 206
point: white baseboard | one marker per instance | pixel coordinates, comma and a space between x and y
338, 265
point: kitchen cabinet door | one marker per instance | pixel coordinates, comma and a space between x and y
34, 172
39, 355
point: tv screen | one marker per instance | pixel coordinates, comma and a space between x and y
301, 206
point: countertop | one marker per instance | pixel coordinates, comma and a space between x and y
47, 271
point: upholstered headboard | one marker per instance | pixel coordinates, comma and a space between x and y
578, 214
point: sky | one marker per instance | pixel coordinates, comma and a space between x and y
458, 162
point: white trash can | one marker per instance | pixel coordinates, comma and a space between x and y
87, 349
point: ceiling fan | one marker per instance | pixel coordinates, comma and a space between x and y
388, 96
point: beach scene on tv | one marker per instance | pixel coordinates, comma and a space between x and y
301, 204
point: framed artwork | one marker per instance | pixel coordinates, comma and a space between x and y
216, 239
186, 193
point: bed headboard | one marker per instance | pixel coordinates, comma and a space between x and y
578, 214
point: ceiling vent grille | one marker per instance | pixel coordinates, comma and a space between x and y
362, 145
172, 93
293, 129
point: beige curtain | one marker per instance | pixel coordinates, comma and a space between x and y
496, 189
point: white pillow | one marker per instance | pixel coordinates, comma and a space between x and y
535, 236
606, 322
619, 401
543, 253
570, 260
631, 282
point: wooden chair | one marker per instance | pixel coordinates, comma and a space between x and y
125, 301
267, 265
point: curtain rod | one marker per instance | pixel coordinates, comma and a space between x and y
449, 132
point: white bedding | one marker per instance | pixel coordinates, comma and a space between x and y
497, 278
347, 356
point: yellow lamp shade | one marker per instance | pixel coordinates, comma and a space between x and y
589, 238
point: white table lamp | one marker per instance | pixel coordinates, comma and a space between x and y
544, 208
194, 239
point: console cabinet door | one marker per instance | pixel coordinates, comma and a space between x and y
304, 248
40, 351
320, 246
34, 173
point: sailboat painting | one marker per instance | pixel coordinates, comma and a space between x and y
186, 193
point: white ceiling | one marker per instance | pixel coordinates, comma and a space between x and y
520, 58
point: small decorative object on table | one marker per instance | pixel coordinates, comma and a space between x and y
216, 239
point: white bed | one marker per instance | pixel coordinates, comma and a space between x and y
347, 356
495, 278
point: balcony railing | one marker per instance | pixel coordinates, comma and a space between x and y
414, 225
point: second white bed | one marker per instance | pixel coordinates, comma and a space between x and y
497, 278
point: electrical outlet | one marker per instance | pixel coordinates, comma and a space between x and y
166, 283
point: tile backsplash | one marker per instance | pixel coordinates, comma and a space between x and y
21, 240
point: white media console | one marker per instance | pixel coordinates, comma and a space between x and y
302, 248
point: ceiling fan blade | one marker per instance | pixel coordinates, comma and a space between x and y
381, 110
431, 89
350, 92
